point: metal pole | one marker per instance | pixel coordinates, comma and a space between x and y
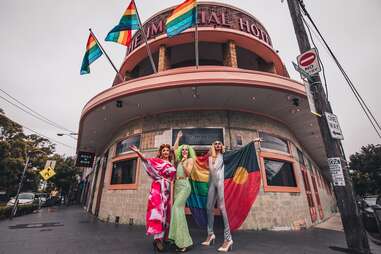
146, 41
355, 234
196, 39
112, 64
14, 209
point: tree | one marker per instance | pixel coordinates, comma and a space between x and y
14, 148
366, 170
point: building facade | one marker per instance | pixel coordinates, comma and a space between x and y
239, 92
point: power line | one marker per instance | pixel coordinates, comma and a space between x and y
31, 114
41, 117
42, 135
361, 101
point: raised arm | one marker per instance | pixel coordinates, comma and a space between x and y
176, 145
137, 151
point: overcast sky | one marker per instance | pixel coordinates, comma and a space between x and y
43, 42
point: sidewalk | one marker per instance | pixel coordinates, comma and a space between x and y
71, 230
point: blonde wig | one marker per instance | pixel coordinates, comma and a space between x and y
212, 150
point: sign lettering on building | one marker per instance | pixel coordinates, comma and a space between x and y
209, 15
199, 136
336, 171
85, 159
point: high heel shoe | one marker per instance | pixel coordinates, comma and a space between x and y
158, 245
228, 246
210, 240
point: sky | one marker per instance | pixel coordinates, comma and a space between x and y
43, 42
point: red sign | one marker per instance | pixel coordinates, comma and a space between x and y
309, 62
307, 59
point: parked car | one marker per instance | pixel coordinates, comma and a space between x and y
25, 198
43, 198
367, 205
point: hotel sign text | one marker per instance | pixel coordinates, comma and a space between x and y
209, 15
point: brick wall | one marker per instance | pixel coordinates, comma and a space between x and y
271, 210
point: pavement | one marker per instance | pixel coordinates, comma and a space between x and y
71, 230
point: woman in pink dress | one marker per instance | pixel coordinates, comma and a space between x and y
162, 173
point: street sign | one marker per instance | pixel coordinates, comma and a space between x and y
47, 173
336, 171
311, 100
302, 72
85, 159
309, 62
333, 125
50, 163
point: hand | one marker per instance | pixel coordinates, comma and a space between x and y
258, 140
179, 134
134, 148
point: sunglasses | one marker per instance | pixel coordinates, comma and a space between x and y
218, 143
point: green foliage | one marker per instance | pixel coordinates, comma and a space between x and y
366, 170
14, 147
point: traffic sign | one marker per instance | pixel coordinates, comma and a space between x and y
336, 171
309, 62
334, 126
47, 173
302, 72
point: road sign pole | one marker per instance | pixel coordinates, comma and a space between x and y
355, 234
14, 209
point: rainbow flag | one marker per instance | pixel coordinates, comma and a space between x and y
183, 17
93, 52
122, 33
241, 186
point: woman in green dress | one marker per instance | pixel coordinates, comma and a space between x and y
178, 230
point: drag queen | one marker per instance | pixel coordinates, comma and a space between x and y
162, 173
216, 193
178, 230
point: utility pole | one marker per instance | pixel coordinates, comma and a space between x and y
355, 234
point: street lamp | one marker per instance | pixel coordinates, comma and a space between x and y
28, 154
70, 134
67, 134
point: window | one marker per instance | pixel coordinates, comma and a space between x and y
309, 164
123, 146
124, 172
300, 157
273, 143
279, 173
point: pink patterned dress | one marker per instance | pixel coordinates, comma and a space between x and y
158, 209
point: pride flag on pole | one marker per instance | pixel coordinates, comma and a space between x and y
122, 33
93, 52
241, 186
182, 17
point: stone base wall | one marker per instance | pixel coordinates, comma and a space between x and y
271, 210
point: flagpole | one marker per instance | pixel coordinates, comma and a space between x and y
196, 38
145, 39
104, 52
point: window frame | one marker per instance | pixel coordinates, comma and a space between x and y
280, 157
125, 186
116, 154
273, 150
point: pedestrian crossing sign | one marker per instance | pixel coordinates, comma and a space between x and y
47, 173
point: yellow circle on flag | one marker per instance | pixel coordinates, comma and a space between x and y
240, 175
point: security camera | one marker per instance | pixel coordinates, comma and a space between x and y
119, 104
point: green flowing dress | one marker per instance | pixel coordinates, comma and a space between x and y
178, 230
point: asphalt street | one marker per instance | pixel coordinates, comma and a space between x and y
71, 230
